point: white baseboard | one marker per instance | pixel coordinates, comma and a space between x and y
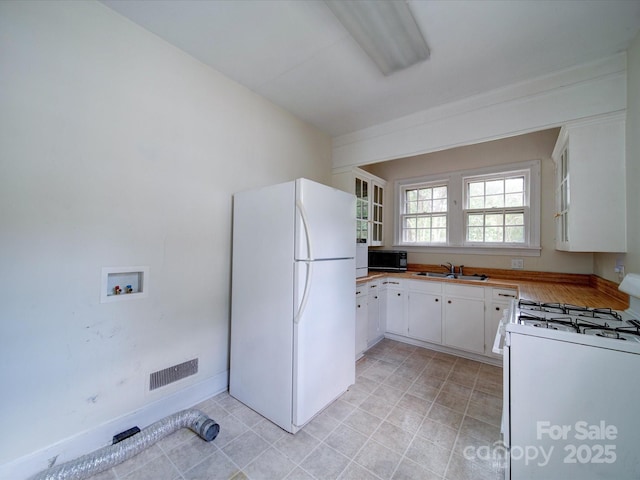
100, 436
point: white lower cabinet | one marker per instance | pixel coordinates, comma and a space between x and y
362, 319
375, 321
394, 306
460, 316
463, 317
424, 312
497, 301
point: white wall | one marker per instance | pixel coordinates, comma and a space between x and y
117, 149
533, 146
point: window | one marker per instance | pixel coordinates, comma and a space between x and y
491, 210
496, 208
424, 217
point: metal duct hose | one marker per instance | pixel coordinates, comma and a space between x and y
107, 457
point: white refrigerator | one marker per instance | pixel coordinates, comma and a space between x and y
292, 303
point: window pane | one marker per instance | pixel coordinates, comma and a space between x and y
514, 200
493, 234
476, 220
439, 235
424, 222
513, 185
494, 201
439, 206
410, 222
476, 234
476, 189
494, 187
476, 202
412, 195
440, 192
409, 236
493, 219
424, 194
423, 235
439, 222
514, 219
514, 234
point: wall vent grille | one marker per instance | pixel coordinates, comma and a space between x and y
173, 374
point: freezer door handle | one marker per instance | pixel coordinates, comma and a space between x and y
305, 224
308, 262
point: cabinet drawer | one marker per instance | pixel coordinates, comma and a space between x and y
466, 291
425, 286
504, 294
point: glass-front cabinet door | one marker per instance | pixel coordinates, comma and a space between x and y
362, 210
376, 220
563, 197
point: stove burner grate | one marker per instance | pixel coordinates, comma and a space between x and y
568, 309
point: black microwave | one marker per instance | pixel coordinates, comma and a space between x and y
388, 260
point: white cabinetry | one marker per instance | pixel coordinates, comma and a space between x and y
590, 186
362, 319
375, 321
369, 192
463, 318
424, 312
497, 301
394, 302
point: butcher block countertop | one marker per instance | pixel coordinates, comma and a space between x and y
577, 289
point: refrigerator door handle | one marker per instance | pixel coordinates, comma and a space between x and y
309, 262
305, 295
305, 224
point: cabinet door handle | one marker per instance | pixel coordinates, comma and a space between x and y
437, 299
448, 301
399, 294
506, 295
497, 309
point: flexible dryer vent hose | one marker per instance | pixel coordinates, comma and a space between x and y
112, 455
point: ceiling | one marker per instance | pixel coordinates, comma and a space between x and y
296, 53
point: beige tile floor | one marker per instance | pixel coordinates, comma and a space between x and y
412, 414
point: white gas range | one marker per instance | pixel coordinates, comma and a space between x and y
571, 389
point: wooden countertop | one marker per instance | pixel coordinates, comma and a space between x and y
576, 289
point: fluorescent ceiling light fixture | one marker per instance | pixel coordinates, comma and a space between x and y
385, 29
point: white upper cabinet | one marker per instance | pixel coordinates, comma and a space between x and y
369, 192
590, 186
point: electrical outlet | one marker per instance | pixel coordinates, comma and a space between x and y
517, 263
619, 268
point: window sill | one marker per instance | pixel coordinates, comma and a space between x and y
475, 250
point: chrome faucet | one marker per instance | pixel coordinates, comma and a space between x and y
450, 267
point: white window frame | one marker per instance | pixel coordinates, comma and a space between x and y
403, 214
524, 208
456, 220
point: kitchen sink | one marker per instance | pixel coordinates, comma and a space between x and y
474, 278
436, 275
